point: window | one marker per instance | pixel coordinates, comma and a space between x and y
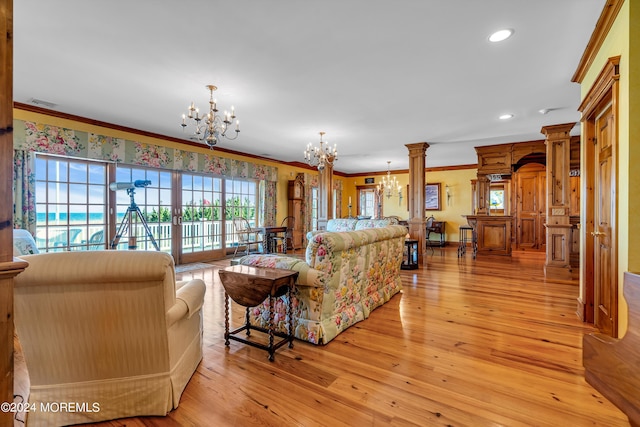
71, 204
367, 202
497, 197
241, 200
201, 213
73, 207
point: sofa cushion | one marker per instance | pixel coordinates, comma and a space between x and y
363, 224
341, 224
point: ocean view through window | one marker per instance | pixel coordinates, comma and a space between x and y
188, 215
71, 203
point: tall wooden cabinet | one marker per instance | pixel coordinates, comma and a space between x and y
295, 209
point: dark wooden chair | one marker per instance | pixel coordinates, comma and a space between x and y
284, 243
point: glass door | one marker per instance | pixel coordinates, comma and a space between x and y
200, 220
143, 203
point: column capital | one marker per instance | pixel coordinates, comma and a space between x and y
416, 149
564, 128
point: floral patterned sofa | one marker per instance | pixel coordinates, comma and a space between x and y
344, 277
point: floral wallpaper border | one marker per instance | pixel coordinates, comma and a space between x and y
44, 138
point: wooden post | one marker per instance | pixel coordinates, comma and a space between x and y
325, 196
417, 221
483, 192
558, 226
8, 268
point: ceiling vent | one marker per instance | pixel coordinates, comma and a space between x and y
44, 104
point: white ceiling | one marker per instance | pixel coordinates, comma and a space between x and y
373, 74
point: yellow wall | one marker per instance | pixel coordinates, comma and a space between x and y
633, 147
622, 41
390, 207
451, 212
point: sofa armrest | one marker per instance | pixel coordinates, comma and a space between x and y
189, 300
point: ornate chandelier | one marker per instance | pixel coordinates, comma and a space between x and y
321, 156
211, 127
390, 185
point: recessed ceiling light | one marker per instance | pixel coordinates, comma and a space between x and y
505, 116
500, 35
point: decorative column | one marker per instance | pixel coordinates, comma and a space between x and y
417, 221
325, 199
483, 191
558, 226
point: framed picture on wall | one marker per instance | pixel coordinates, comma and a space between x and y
432, 197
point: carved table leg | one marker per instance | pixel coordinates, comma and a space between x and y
247, 321
271, 350
290, 314
226, 319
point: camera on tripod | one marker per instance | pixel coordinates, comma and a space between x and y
139, 183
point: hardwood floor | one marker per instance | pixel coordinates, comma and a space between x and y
485, 342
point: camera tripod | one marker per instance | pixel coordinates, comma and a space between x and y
133, 209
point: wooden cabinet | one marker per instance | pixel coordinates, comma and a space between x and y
494, 160
295, 209
493, 234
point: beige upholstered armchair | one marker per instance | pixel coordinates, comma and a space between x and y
109, 330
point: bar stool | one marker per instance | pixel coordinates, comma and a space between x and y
467, 235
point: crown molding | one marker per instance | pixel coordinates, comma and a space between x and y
53, 113
600, 32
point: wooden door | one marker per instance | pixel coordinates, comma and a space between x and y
604, 210
530, 207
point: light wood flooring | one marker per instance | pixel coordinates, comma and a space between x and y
486, 342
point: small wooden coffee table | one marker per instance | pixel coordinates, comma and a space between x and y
250, 286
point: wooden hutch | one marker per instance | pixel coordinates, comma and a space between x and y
530, 213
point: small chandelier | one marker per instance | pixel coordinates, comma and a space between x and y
321, 156
390, 185
211, 127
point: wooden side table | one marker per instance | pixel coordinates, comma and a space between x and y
249, 286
